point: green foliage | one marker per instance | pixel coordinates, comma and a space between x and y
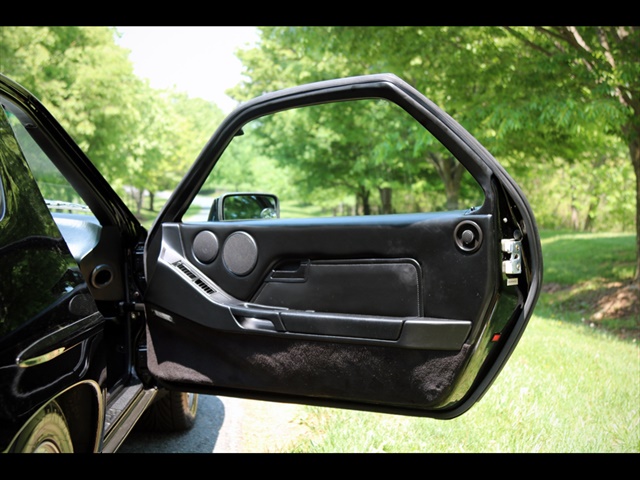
141, 139
540, 99
551, 103
580, 195
167, 139
358, 157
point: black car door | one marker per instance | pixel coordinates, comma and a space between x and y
410, 310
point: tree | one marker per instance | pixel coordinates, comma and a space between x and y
171, 131
598, 72
288, 56
330, 146
141, 139
84, 79
530, 94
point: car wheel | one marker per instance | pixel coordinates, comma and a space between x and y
172, 412
47, 432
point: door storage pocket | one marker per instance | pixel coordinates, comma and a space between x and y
365, 287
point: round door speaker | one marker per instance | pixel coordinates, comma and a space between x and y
205, 246
240, 253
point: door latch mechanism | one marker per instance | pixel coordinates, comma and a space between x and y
512, 266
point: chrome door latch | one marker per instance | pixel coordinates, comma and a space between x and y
512, 266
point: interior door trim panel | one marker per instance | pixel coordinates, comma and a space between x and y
426, 238
396, 314
226, 313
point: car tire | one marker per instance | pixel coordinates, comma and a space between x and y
172, 412
47, 432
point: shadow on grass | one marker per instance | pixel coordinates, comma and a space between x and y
611, 306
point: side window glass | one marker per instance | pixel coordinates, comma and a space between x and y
38, 272
68, 213
58, 194
365, 157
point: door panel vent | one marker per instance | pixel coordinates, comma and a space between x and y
181, 266
204, 286
196, 279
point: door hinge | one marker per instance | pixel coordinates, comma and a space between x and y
512, 265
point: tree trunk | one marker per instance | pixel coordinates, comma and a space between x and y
151, 198
591, 213
632, 133
139, 194
385, 200
634, 150
594, 200
575, 217
363, 197
450, 172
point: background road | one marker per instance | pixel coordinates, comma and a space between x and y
226, 425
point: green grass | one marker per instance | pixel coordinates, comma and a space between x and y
582, 275
571, 386
571, 258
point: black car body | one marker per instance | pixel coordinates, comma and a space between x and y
104, 325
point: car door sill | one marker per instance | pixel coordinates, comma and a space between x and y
123, 412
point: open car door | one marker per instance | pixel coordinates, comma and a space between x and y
410, 313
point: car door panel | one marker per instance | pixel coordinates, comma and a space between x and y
323, 346
412, 265
424, 242
403, 313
